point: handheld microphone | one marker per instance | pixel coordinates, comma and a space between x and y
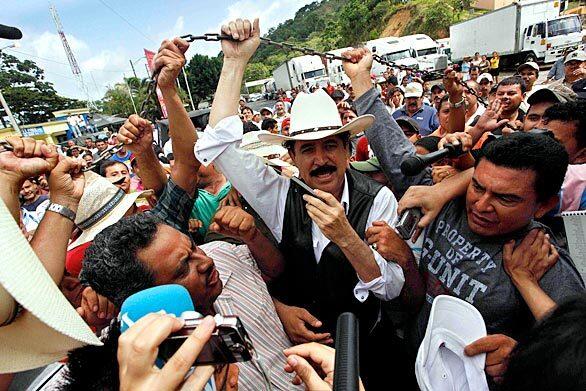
346, 371
173, 299
413, 165
8, 32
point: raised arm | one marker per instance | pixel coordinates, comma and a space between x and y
385, 137
170, 59
457, 117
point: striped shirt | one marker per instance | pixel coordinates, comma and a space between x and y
245, 294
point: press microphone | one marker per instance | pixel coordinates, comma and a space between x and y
8, 32
172, 298
346, 371
413, 165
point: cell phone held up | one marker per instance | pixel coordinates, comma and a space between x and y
408, 223
228, 344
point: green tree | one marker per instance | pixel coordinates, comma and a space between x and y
203, 73
31, 98
117, 100
256, 71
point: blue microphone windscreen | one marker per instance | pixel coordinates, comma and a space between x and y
173, 299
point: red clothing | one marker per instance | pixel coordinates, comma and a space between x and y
74, 258
363, 151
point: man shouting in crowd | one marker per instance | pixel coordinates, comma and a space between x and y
329, 268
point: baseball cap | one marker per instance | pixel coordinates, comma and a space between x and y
438, 87
441, 363
408, 122
528, 64
413, 90
556, 93
485, 76
579, 88
370, 165
266, 109
576, 55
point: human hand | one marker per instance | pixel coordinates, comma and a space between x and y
194, 225
428, 199
136, 134
138, 348
498, 348
388, 243
294, 321
66, 183
360, 63
96, 305
246, 37
329, 215
235, 222
451, 82
28, 158
169, 61
459, 138
304, 359
489, 120
439, 173
231, 199
529, 261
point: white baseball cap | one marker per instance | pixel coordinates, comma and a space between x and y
413, 90
528, 64
441, 364
576, 55
486, 76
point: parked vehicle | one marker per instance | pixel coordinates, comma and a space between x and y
528, 30
303, 71
394, 50
427, 52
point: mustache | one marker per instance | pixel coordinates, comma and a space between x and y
326, 169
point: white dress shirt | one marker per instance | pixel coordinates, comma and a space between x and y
266, 191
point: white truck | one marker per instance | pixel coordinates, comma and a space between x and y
528, 30
391, 49
427, 52
303, 71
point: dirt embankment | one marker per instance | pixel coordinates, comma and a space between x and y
397, 23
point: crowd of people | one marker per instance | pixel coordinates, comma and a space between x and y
286, 218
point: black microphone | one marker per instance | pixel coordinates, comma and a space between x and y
413, 165
346, 371
8, 32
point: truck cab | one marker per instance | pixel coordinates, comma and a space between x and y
547, 39
427, 52
391, 49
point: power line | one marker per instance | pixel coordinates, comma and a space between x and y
64, 63
127, 21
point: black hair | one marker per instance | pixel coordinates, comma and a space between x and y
248, 126
493, 89
268, 123
536, 152
392, 92
572, 111
429, 142
513, 81
109, 163
247, 108
475, 68
552, 356
443, 100
110, 264
94, 368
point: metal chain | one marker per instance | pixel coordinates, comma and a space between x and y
215, 37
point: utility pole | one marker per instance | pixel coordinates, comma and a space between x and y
130, 93
133, 71
188, 89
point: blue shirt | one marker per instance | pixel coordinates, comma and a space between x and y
557, 71
426, 117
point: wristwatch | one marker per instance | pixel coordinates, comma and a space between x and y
458, 104
62, 210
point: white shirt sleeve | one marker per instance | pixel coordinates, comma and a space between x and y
390, 283
263, 188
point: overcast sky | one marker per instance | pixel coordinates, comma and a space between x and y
105, 34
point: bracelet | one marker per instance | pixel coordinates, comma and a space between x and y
458, 104
62, 210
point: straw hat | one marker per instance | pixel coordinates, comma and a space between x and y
102, 204
315, 116
50, 326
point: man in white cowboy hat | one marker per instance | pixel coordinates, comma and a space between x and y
329, 268
37, 324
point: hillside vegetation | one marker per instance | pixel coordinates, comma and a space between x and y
331, 24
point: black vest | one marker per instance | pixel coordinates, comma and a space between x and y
325, 289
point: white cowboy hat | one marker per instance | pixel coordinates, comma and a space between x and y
49, 326
315, 116
251, 143
102, 204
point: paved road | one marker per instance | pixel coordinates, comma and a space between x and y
259, 104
